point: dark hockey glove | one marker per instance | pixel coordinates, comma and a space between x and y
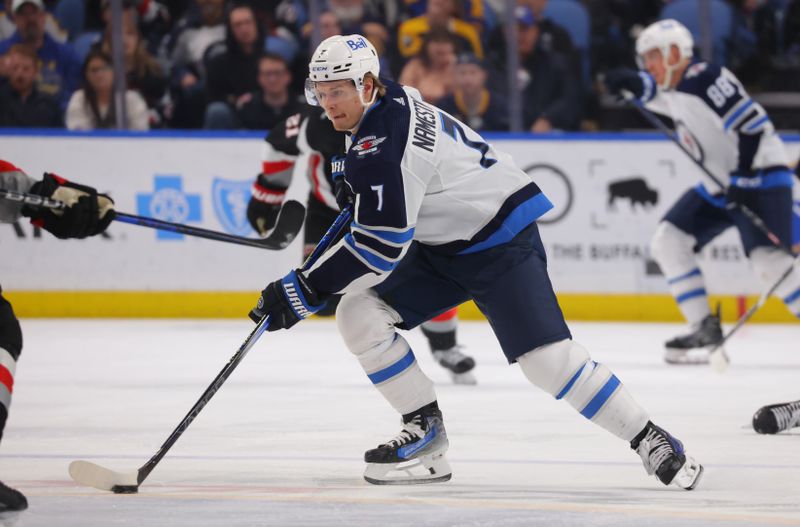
639, 83
737, 195
265, 204
287, 301
87, 212
344, 196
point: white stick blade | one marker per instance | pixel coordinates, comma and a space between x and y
93, 475
719, 360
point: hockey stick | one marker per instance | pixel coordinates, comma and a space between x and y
94, 475
286, 229
717, 357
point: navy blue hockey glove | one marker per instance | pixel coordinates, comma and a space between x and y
287, 301
639, 83
87, 213
344, 196
264, 205
735, 196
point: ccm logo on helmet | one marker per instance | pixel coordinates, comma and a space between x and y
357, 44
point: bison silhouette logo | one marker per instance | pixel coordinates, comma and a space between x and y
633, 189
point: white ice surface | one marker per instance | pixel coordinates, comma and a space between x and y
282, 442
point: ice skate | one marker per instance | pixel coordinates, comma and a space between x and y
665, 457
416, 455
777, 418
458, 364
11, 499
695, 347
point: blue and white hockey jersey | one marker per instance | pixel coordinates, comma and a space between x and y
420, 174
724, 128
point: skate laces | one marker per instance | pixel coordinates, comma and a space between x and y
412, 431
654, 449
787, 416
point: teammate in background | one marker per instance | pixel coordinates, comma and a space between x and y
88, 213
442, 217
311, 133
733, 137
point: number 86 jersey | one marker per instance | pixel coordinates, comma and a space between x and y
419, 174
723, 128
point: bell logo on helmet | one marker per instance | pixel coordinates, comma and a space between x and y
357, 44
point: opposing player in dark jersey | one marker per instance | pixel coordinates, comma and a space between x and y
441, 217
732, 135
309, 137
88, 213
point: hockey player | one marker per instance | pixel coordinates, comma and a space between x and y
311, 133
442, 217
88, 213
734, 139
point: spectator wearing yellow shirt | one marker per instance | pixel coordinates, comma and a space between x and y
439, 14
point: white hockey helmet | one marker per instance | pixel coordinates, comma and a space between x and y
342, 57
662, 35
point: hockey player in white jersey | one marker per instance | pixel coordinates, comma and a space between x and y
441, 217
88, 213
732, 136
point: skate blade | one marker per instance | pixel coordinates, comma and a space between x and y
686, 357
689, 475
466, 378
431, 468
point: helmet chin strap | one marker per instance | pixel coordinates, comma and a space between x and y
670, 70
366, 106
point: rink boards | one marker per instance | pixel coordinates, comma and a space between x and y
609, 191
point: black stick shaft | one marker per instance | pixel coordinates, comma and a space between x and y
153, 223
333, 231
199, 232
755, 307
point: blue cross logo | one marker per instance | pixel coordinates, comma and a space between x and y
169, 202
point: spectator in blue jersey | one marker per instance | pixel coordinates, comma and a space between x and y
471, 102
232, 68
59, 67
551, 91
21, 104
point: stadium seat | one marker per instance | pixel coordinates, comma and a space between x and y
70, 15
573, 16
83, 43
687, 12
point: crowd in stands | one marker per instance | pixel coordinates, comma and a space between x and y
241, 64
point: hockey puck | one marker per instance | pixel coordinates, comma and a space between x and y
125, 489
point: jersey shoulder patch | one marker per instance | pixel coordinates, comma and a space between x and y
698, 77
717, 87
384, 132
